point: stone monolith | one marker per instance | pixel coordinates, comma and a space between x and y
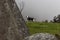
12, 24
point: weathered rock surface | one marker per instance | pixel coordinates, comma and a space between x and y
41, 36
12, 24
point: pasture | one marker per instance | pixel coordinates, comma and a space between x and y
39, 27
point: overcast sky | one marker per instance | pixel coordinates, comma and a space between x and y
40, 9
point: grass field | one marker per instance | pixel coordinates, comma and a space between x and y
38, 27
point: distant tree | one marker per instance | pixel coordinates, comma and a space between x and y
51, 21
55, 19
46, 20
58, 18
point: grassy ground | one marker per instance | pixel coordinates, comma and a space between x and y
37, 27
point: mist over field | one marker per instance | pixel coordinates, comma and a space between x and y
40, 9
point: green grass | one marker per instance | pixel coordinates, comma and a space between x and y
38, 27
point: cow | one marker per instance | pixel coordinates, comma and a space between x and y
30, 18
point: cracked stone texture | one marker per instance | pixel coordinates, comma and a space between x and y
41, 36
12, 24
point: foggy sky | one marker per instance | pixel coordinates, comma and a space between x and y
40, 9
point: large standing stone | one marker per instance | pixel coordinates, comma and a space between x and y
12, 24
